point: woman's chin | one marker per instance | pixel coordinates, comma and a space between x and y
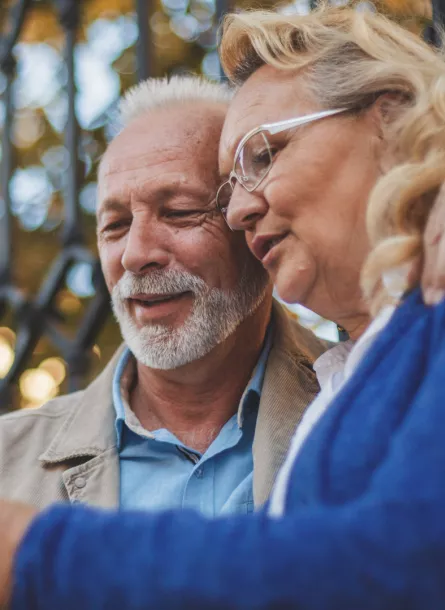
291, 289
289, 295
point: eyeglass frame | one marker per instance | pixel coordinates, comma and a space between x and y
272, 129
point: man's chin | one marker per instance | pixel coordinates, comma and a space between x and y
146, 334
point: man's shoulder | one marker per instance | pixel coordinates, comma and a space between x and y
53, 413
40, 422
52, 409
38, 445
25, 436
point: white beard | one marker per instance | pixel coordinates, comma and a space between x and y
215, 315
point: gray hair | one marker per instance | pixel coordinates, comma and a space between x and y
155, 93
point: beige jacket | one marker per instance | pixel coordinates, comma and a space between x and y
66, 450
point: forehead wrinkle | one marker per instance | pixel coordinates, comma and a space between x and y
145, 160
154, 134
193, 155
162, 187
135, 165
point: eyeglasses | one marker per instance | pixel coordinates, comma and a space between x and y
254, 157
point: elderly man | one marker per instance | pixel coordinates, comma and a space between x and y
210, 367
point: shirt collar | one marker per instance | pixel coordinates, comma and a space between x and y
252, 394
344, 357
332, 362
124, 375
121, 381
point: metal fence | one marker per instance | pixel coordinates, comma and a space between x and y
37, 315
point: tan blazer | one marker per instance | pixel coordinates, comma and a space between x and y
66, 449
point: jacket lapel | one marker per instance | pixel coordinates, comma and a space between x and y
96, 482
289, 387
86, 444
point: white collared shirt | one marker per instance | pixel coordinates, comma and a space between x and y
333, 369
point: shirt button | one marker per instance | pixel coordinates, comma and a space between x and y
80, 482
199, 473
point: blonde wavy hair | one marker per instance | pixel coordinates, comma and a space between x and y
349, 58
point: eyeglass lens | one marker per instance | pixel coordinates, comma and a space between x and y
223, 197
254, 161
252, 164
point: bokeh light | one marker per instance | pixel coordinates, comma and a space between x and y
31, 192
67, 303
8, 334
80, 280
37, 386
56, 367
6, 357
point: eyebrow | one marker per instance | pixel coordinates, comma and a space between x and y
110, 205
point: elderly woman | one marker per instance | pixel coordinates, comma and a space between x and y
357, 96
359, 506
310, 131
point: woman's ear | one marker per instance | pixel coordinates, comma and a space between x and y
384, 111
388, 107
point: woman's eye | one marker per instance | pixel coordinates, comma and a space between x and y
264, 157
261, 157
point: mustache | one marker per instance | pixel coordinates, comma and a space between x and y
158, 282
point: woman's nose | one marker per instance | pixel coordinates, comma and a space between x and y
245, 209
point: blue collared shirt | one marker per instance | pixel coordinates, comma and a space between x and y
158, 472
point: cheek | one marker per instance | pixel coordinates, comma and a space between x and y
324, 204
110, 255
299, 178
212, 254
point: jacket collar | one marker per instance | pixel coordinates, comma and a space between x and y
290, 385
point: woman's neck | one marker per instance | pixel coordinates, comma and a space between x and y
355, 325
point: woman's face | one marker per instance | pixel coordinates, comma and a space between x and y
306, 221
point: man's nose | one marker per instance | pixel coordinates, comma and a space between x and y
245, 209
144, 249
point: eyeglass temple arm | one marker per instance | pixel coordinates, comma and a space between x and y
274, 128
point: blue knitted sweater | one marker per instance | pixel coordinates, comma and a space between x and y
364, 526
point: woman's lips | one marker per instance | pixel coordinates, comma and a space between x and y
263, 246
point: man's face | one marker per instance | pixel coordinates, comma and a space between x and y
172, 266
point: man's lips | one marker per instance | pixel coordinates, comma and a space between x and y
263, 244
150, 300
151, 308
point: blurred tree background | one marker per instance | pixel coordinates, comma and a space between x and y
182, 38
